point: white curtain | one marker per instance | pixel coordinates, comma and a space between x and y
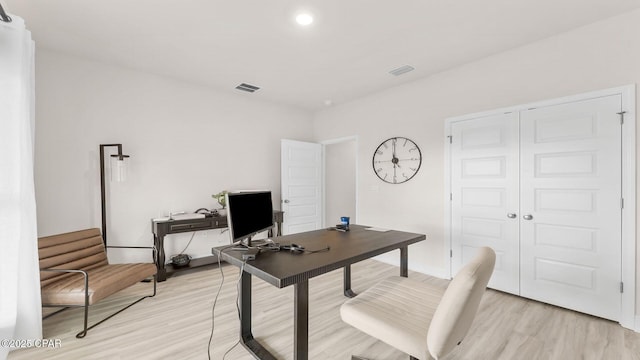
20, 306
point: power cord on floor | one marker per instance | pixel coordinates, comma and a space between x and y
189, 243
237, 307
175, 259
215, 300
213, 309
268, 246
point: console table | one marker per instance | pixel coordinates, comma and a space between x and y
162, 228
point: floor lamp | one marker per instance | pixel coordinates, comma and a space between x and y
118, 173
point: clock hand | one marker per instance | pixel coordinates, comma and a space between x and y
394, 159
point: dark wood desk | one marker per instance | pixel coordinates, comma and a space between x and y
284, 268
162, 228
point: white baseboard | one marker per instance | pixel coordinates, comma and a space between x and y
421, 268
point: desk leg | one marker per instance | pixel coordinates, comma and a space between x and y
301, 320
404, 261
347, 282
246, 336
245, 307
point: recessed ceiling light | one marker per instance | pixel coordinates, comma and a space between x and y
304, 19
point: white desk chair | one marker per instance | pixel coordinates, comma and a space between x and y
419, 319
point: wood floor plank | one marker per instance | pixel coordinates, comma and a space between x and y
177, 324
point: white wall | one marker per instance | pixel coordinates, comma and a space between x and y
186, 143
599, 56
340, 181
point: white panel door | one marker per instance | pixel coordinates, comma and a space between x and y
301, 182
484, 198
570, 205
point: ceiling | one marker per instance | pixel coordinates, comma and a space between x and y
346, 53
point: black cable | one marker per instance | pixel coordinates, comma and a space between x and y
297, 249
237, 307
267, 246
3, 15
213, 309
189, 243
215, 300
317, 251
175, 259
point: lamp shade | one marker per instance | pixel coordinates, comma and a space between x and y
118, 168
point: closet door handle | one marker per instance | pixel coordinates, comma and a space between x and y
528, 217
512, 215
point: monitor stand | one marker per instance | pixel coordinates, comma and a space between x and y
246, 242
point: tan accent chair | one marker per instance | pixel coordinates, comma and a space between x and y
75, 271
419, 319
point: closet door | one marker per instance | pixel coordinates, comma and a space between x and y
484, 198
570, 210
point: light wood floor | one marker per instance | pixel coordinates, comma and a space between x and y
176, 324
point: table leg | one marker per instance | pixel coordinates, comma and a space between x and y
246, 336
347, 282
278, 229
161, 270
301, 320
404, 261
245, 307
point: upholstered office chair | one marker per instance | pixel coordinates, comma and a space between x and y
419, 319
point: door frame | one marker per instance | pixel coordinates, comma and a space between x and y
324, 174
628, 317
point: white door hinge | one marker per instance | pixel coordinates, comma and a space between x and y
621, 287
450, 139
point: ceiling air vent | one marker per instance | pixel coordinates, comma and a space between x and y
247, 87
401, 70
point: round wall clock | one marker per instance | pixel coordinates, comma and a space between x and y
397, 160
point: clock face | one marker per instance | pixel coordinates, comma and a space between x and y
397, 160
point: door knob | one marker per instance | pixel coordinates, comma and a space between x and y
527, 217
512, 215
286, 201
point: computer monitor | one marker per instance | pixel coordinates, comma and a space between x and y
249, 213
